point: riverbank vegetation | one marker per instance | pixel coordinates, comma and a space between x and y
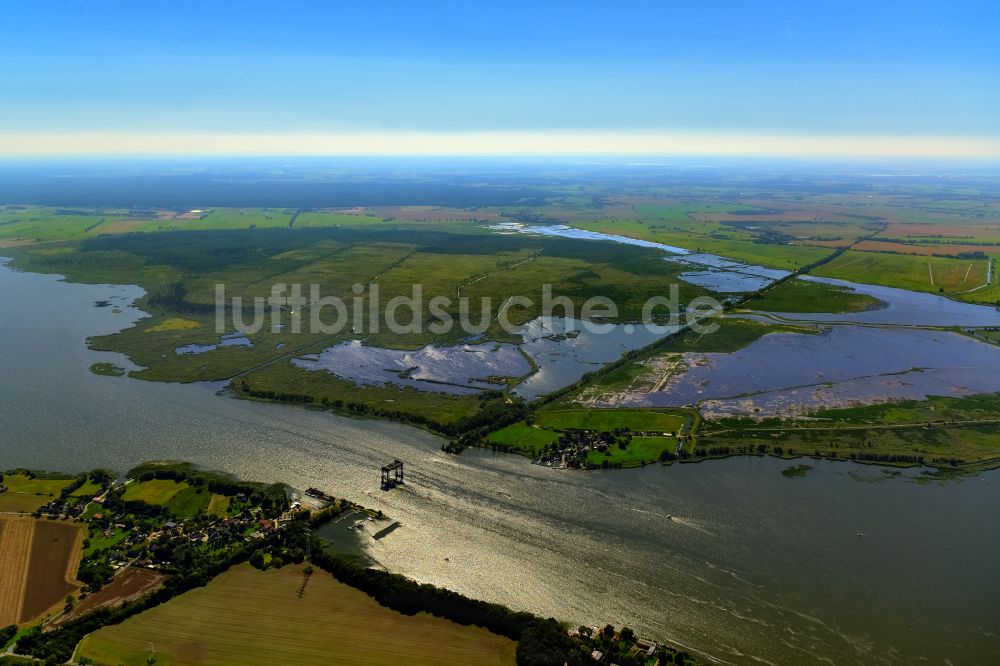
961, 434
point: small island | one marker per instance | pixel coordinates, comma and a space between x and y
796, 471
107, 369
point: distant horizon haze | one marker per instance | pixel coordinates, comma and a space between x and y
486, 144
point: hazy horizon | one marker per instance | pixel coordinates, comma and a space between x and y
444, 78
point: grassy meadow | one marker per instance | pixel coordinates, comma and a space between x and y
917, 273
154, 491
805, 296
524, 438
640, 451
606, 420
24, 494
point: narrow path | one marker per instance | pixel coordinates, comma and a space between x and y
394, 264
967, 271
989, 277
295, 352
479, 279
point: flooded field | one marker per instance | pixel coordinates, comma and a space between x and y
564, 358
562, 351
458, 369
725, 275
228, 340
793, 374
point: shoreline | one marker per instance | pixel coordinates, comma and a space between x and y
227, 390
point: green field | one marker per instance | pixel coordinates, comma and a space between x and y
25, 494
606, 420
38, 223
218, 506
22, 483
805, 296
248, 617
21, 502
641, 450
189, 502
917, 273
154, 491
88, 489
523, 438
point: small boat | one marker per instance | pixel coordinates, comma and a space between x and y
670, 516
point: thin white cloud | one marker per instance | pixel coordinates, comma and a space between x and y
483, 143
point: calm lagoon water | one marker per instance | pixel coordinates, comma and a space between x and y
562, 349
729, 558
562, 231
562, 360
228, 340
904, 307
840, 366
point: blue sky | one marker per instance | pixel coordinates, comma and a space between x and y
859, 69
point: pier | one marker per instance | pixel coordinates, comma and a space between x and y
392, 475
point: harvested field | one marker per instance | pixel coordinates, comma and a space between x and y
129, 585
248, 617
56, 550
38, 562
15, 543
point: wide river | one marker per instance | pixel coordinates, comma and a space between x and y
752, 567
